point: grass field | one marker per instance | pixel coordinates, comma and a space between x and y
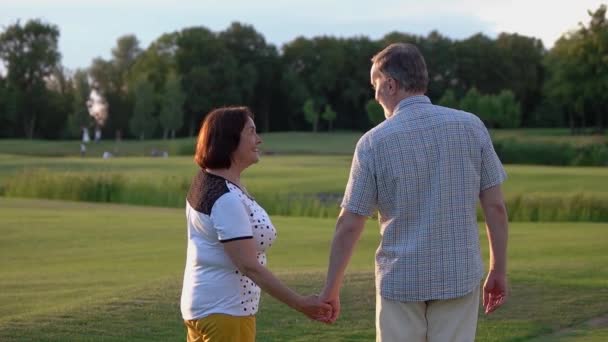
96, 272
285, 184
277, 142
80, 271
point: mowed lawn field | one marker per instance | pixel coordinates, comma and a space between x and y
332, 143
100, 272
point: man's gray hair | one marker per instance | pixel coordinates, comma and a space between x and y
404, 63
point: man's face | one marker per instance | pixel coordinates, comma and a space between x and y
380, 85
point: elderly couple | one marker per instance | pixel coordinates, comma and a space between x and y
423, 169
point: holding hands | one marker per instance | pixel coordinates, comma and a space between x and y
314, 308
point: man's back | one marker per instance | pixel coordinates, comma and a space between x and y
428, 164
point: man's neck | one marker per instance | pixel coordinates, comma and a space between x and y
402, 96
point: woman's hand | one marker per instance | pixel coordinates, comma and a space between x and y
314, 308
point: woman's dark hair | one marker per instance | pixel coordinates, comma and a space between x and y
219, 136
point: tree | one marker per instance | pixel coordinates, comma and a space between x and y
509, 113
470, 102
329, 115
478, 63
79, 117
578, 71
143, 122
448, 99
310, 114
209, 74
30, 53
125, 54
375, 113
113, 79
257, 65
316, 69
156, 63
523, 67
593, 56
171, 116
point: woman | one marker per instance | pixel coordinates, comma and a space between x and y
228, 234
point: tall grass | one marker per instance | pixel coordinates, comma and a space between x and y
170, 191
96, 187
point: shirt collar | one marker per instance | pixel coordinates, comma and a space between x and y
410, 101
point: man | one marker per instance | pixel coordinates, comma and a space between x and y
423, 169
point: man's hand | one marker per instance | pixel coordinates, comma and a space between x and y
314, 308
335, 305
495, 292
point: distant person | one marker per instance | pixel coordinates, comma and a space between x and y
228, 234
423, 169
83, 149
85, 135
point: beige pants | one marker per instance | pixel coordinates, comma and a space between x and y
451, 320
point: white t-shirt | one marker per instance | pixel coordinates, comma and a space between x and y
218, 211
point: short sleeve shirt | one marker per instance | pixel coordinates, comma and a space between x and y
218, 211
423, 170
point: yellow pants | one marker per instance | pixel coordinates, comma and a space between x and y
221, 328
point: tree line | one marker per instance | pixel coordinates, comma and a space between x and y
320, 83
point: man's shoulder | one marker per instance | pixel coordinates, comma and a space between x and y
371, 137
457, 114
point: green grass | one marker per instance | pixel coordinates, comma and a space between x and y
281, 143
89, 272
549, 135
285, 185
275, 142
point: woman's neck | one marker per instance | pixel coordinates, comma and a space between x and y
232, 174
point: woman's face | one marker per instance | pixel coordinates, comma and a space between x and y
247, 152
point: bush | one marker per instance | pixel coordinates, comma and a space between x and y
513, 152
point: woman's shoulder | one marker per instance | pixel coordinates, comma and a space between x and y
205, 190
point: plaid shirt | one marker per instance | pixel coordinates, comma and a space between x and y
423, 170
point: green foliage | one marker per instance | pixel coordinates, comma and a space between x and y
509, 112
470, 102
514, 152
143, 122
310, 114
577, 69
448, 99
30, 53
209, 73
329, 115
237, 66
79, 116
171, 117
375, 112
496, 111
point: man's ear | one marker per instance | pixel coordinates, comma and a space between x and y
392, 85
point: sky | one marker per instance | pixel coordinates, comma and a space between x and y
90, 28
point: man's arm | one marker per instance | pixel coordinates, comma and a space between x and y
348, 231
495, 290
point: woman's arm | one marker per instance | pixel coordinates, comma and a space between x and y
244, 256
